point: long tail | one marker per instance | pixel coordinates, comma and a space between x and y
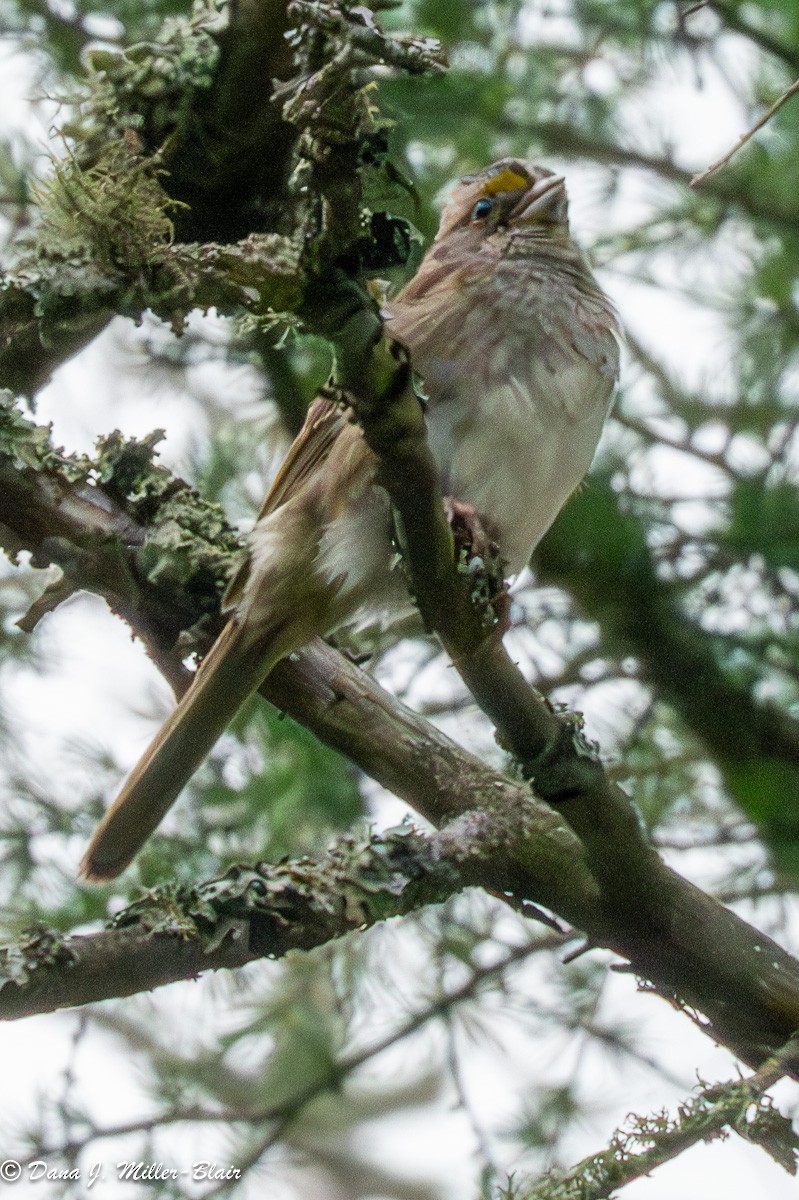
232, 670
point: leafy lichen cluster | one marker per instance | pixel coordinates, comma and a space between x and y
149, 88
361, 880
36, 947
27, 445
105, 202
157, 530
189, 547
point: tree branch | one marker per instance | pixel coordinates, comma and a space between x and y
249, 913
562, 138
620, 894
49, 311
703, 176
649, 1142
576, 844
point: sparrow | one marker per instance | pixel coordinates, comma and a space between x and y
516, 349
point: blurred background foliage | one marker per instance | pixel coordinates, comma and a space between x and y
663, 603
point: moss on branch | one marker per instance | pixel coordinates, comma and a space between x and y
646, 1143
505, 839
186, 184
252, 912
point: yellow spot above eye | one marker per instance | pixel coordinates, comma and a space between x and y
506, 181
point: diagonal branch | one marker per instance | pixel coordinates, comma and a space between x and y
564, 768
703, 176
649, 1142
671, 933
49, 312
553, 752
249, 913
735, 17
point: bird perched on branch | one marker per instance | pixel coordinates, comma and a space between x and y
517, 349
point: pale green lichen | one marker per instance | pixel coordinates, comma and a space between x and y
104, 202
650, 1140
36, 947
188, 550
113, 212
28, 445
361, 880
149, 87
189, 547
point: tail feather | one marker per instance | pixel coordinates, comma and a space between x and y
233, 669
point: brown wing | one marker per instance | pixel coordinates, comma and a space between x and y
312, 445
324, 423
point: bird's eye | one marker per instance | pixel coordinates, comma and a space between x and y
481, 209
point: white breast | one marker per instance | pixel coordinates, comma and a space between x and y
518, 450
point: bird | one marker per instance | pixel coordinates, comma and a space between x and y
515, 348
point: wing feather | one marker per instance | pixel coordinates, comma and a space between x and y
323, 425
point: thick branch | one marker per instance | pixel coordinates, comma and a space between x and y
249, 913
755, 745
671, 932
231, 156
230, 159
48, 313
564, 768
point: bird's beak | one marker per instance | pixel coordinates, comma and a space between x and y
544, 203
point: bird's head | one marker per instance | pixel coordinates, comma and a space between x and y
517, 195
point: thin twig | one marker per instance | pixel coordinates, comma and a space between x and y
689, 12
650, 1142
699, 179
347, 1064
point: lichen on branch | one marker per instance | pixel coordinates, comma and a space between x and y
119, 523
250, 912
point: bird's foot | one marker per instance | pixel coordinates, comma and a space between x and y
477, 552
